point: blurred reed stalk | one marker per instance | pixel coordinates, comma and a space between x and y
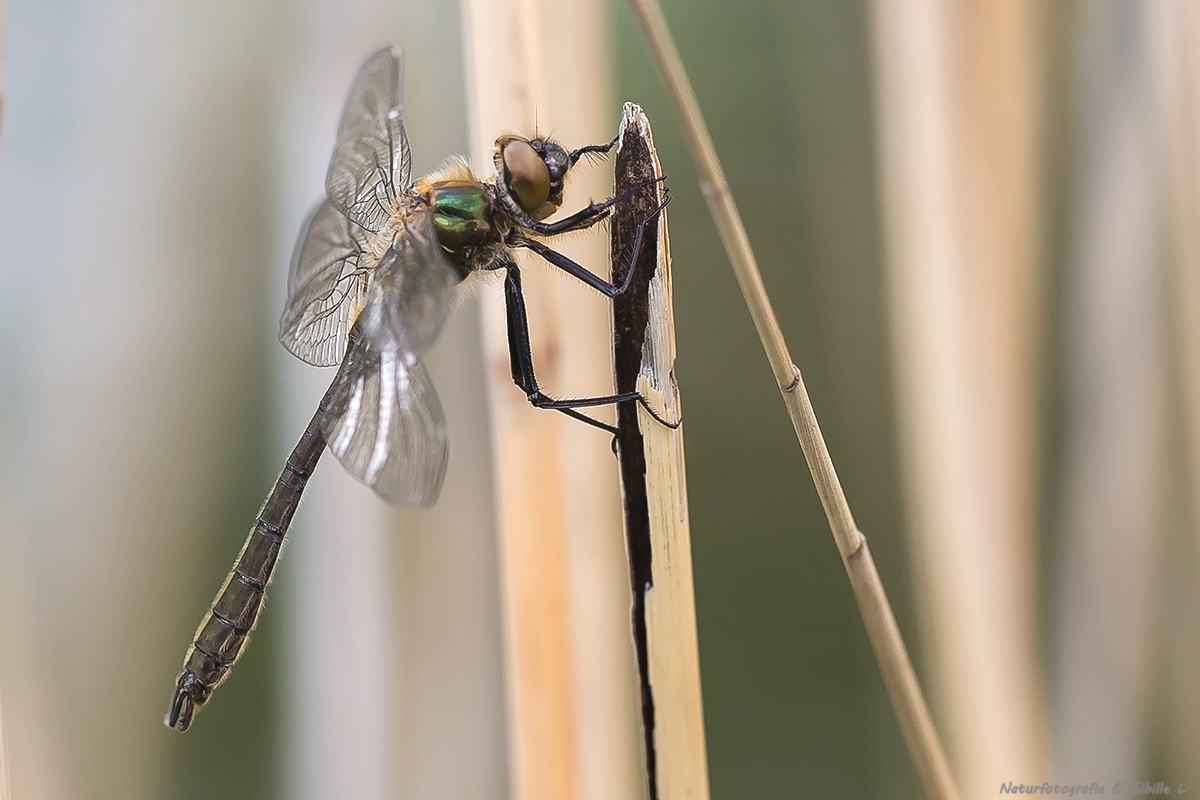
5, 791
572, 724
654, 489
1118, 465
1175, 28
2, 59
1177, 68
958, 123
899, 677
4, 788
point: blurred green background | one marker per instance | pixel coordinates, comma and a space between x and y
794, 706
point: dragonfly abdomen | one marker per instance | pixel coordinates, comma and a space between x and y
226, 627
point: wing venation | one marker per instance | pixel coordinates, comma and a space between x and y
386, 426
327, 287
372, 163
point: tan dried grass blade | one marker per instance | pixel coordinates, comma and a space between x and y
572, 729
653, 482
502, 94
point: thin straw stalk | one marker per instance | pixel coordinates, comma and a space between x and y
925, 748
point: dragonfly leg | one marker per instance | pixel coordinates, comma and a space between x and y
601, 149
579, 221
521, 359
577, 270
587, 216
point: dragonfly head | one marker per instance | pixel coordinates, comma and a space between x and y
533, 172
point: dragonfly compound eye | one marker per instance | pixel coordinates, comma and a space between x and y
526, 175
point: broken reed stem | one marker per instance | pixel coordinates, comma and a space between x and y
924, 747
653, 487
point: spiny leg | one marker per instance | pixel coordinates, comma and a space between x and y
579, 221
520, 357
588, 216
577, 270
602, 149
521, 360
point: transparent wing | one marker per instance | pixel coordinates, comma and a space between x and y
371, 162
386, 425
411, 291
327, 288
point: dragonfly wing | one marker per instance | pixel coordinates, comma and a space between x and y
371, 162
327, 288
412, 289
386, 425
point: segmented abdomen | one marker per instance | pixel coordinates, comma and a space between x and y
223, 632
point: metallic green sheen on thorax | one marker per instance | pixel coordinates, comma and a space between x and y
460, 217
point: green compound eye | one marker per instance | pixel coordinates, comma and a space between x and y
527, 175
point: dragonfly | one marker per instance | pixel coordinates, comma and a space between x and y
374, 275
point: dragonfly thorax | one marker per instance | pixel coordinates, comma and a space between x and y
462, 208
461, 216
473, 218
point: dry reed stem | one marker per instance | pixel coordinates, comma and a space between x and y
572, 730
925, 749
607, 732
501, 95
653, 483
